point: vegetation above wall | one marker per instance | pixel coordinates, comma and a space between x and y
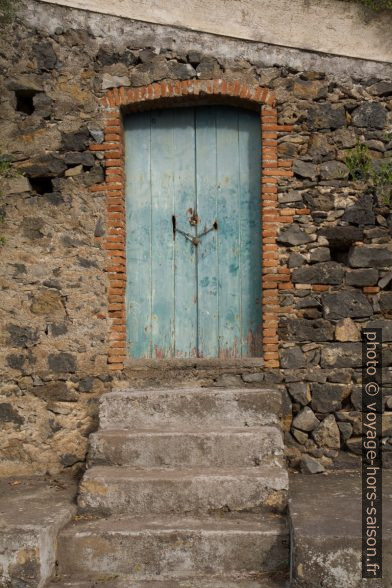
5, 172
7, 11
378, 175
376, 4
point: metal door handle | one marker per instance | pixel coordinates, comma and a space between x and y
194, 240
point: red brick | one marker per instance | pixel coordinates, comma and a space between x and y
279, 172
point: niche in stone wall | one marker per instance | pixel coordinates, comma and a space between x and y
25, 101
42, 185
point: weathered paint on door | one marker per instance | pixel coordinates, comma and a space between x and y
193, 233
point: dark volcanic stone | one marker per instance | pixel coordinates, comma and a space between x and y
310, 465
320, 254
56, 391
129, 58
9, 415
308, 302
328, 272
361, 213
43, 105
77, 158
194, 57
362, 277
300, 392
99, 228
326, 116
15, 361
75, 141
295, 260
68, 459
147, 56
333, 170
45, 55
208, 68
182, 71
292, 357
306, 330
86, 384
62, 362
338, 305
370, 257
32, 228
47, 166
386, 301
21, 336
55, 198
383, 88
342, 355
385, 325
305, 169
370, 114
327, 397
107, 57
58, 329
294, 235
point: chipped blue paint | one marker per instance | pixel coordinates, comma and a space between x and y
186, 169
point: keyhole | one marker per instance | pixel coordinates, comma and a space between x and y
215, 225
174, 225
194, 219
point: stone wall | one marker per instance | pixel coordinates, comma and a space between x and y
56, 65
326, 26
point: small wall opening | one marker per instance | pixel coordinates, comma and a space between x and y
24, 101
339, 253
42, 185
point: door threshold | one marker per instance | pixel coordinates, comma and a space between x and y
194, 363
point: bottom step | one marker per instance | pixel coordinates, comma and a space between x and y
251, 581
164, 547
325, 518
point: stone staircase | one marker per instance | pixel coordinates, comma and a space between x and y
186, 488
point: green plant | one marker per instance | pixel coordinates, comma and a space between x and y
7, 11
378, 4
374, 4
382, 180
359, 162
378, 175
6, 171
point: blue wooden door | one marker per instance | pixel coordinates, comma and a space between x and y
193, 233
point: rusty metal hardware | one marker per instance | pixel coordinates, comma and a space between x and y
195, 240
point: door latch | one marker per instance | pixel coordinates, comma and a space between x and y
195, 240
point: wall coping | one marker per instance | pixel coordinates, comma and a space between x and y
325, 26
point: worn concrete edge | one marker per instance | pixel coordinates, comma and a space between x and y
326, 26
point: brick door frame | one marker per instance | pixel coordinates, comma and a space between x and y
275, 275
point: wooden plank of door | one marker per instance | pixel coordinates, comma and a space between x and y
206, 182
185, 286
250, 257
138, 234
162, 245
228, 204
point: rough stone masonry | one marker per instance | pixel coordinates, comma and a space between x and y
55, 65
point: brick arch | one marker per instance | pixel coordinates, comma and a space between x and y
275, 276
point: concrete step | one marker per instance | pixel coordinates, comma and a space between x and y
32, 510
237, 581
204, 408
222, 448
326, 531
110, 490
174, 548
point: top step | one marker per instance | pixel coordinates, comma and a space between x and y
201, 408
